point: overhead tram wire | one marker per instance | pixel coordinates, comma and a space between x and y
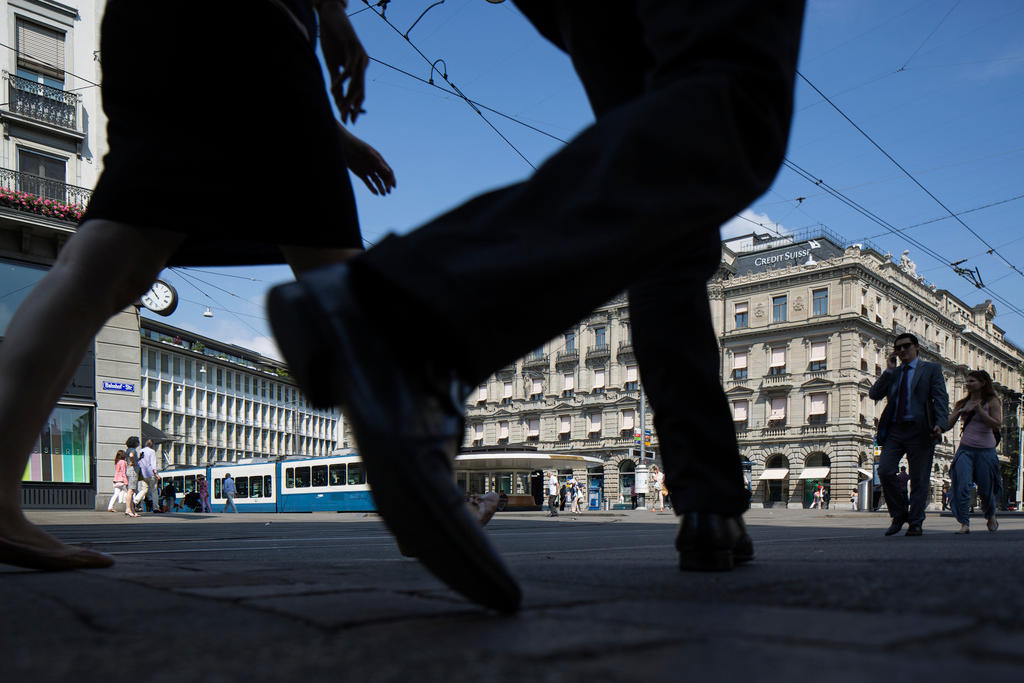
188, 280
991, 249
444, 76
807, 175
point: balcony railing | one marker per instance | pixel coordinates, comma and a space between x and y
599, 350
567, 355
42, 102
35, 194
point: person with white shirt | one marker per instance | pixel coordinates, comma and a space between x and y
228, 489
147, 464
553, 494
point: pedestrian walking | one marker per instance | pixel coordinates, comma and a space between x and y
817, 497
553, 495
120, 481
577, 497
676, 149
853, 498
204, 493
168, 496
916, 413
657, 480
151, 148
150, 474
132, 487
227, 487
975, 461
945, 495
903, 480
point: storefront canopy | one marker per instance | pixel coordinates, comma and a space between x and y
815, 472
524, 460
775, 473
865, 473
157, 435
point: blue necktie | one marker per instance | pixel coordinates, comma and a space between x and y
903, 395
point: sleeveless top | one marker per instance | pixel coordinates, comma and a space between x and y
977, 434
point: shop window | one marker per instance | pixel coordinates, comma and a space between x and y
63, 453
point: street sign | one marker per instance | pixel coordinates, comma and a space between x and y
118, 386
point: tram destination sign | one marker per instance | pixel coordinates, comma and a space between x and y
784, 256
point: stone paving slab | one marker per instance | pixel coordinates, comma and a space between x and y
328, 597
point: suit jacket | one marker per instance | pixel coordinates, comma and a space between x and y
929, 403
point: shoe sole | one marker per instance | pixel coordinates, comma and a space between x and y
704, 561
427, 517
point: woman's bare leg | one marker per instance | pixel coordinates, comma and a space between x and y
103, 268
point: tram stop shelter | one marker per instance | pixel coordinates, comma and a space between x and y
518, 474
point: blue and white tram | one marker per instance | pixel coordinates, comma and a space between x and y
185, 480
335, 483
255, 486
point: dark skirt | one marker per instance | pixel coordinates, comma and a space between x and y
219, 127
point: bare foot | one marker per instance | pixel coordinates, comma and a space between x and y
483, 507
23, 544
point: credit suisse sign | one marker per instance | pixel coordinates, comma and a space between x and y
787, 255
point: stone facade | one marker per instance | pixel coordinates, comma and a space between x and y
804, 323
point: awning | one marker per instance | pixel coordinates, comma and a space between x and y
775, 473
526, 460
865, 473
158, 436
815, 472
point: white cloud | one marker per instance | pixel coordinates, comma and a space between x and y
743, 226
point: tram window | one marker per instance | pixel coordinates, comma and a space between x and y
216, 488
289, 478
338, 474
256, 487
268, 485
179, 483
190, 483
477, 482
242, 487
505, 482
460, 481
356, 475
320, 475
302, 477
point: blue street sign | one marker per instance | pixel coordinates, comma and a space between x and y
118, 386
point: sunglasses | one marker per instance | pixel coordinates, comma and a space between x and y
900, 347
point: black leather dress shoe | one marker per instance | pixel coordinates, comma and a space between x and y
407, 418
895, 527
712, 542
914, 530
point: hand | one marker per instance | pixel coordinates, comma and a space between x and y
973, 404
367, 164
345, 57
937, 432
890, 362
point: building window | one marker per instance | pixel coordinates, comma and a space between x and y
600, 338
819, 302
599, 385
739, 365
628, 422
570, 342
536, 388
777, 365
632, 378
503, 432
481, 393
506, 393
817, 413
595, 424
564, 427
220, 377
740, 413
478, 434
863, 357
40, 50
152, 360
46, 175
777, 412
779, 309
742, 320
818, 359
568, 384
533, 429
63, 452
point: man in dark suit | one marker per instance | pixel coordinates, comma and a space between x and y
692, 104
915, 415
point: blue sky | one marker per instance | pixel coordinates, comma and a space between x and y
937, 84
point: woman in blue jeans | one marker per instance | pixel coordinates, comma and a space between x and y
975, 460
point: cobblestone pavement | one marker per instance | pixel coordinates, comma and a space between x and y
328, 597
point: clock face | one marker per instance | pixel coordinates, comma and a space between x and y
161, 298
